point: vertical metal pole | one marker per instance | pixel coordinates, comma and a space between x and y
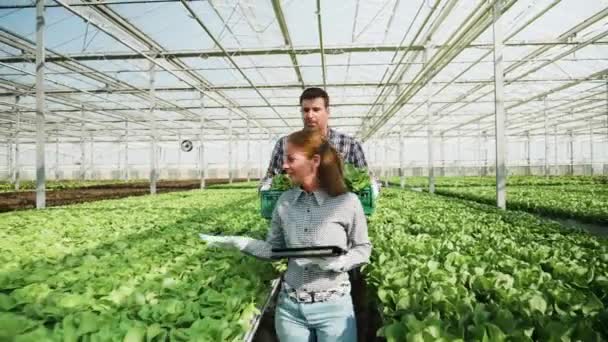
17, 167
485, 153
385, 168
555, 147
478, 159
230, 147
429, 122
261, 159
401, 158
235, 150
40, 101
546, 166
376, 157
119, 159
591, 145
501, 172
248, 155
442, 153
82, 147
126, 156
153, 153
459, 152
179, 154
571, 152
527, 150
57, 155
92, 157
9, 154
201, 157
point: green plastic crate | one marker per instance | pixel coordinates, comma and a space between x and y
269, 198
366, 196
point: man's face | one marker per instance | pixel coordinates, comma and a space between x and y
314, 113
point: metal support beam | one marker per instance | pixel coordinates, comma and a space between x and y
442, 152
179, 154
385, 166
555, 147
459, 153
153, 147
478, 156
57, 155
236, 150
401, 158
9, 154
546, 161
321, 48
230, 174
591, 159
527, 153
248, 158
17, 166
201, 152
40, 102
571, 152
278, 12
429, 122
501, 170
92, 156
126, 156
83, 175
485, 154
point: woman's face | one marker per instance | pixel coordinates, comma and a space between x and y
298, 166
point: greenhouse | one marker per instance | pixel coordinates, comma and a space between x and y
191, 170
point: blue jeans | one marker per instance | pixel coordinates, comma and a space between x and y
330, 321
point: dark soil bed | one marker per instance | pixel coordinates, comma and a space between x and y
10, 201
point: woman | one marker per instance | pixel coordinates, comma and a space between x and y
314, 301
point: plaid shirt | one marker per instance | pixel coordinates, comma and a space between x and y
349, 149
302, 219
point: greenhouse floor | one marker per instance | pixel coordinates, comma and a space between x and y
19, 200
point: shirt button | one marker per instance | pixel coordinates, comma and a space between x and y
308, 210
305, 229
306, 268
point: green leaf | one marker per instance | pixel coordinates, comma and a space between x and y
135, 334
538, 303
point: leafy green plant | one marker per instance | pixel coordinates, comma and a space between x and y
281, 182
132, 269
446, 269
356, 179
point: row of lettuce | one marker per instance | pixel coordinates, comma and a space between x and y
588, 203
131, 269
465, 181
134, 270
445, 269
582, 198
29, 185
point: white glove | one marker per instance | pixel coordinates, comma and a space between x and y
225, 241
303, 261
266, 184
334, 264
375, 188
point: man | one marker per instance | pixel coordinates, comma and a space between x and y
314, 104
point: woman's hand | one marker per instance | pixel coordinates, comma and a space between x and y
224, 241
335, 264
